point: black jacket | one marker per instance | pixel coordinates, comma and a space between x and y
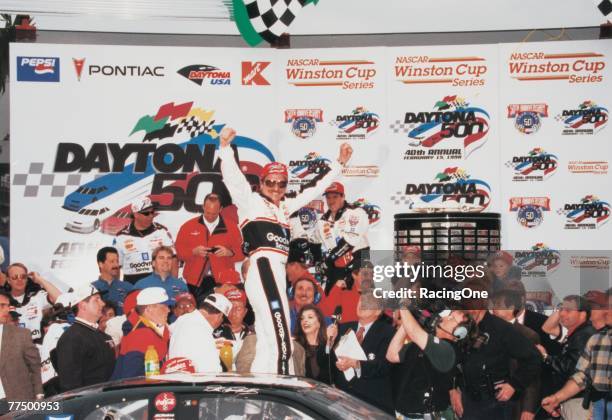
320, 359
491, 362
534, 321
374, 385
564, 365
416, 376
85, 356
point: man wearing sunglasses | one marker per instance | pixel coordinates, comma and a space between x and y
137, 241
264, 220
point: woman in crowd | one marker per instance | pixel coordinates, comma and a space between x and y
312, 335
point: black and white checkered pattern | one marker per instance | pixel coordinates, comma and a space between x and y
400, 127
401, 198
194, 127
271, 18
605, 7
36, 181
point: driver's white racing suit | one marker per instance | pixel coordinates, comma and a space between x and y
266, 235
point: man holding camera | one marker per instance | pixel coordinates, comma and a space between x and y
426, 357
486, 387
208, 244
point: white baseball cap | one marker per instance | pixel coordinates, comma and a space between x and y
152, 295
219, 302
74, 296
141, 204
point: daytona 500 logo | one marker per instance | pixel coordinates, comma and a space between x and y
432, 132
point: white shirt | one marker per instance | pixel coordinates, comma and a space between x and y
366, 328
192, 337
2, 394
49, 343
32, 312
211, 225
93, 325
114, 328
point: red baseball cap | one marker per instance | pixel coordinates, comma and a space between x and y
229, 276
236, 294
185, 295
274, 168
335, 187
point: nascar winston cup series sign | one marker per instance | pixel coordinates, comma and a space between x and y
520, 129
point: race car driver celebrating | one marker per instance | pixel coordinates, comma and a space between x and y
343, 232
264, 221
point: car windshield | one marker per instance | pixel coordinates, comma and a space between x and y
343, 405
211, 407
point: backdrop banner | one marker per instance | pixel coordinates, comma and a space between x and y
519, 129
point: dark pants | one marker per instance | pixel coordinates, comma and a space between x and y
206, 287
489, 409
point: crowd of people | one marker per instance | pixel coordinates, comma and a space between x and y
305, 287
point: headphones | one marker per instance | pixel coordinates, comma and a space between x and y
291, 291
460, 332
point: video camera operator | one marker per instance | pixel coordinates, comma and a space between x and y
485, 387
422, 346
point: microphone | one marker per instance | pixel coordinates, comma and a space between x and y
337, 317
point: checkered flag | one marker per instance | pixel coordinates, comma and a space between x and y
401, 198
259, 20
399, 127
605, 7
194, 126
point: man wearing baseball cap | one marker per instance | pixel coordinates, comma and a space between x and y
192, 334
136, 242
85, 355
185, 304
235, 330
264, 220
151, 329
343, 231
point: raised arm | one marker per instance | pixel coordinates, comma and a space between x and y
309, 194
235, 181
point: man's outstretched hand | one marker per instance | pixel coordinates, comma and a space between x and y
228, 134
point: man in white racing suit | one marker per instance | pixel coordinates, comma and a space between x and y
264, 223
342, 230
